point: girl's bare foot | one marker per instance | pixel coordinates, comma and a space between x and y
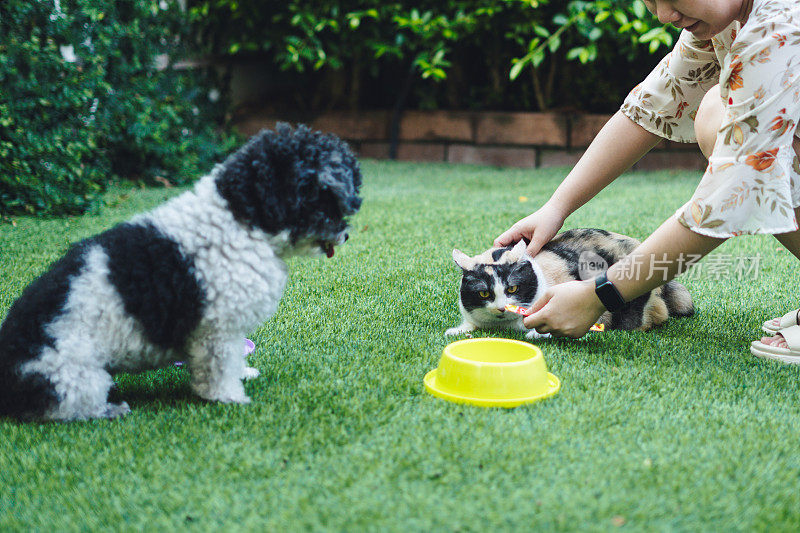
777, 341
776, 322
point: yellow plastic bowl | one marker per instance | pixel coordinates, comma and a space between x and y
492, 373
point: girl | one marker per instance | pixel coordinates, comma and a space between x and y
731, 84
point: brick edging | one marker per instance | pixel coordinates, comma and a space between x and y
521, 139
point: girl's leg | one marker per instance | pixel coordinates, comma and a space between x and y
708, 120
791, 240
792, 243
706, 126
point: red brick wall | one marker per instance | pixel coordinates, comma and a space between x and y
487, 138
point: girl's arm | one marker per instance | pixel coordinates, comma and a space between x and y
693, 68
617, 146
668, 252
615, 149
571, 308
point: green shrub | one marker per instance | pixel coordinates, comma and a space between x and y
161, 126
473, 54
83, 102
48, 138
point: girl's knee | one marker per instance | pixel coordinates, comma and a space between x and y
708, 120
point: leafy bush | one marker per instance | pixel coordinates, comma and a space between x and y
83, 102
161, 125
47, 144
480, 54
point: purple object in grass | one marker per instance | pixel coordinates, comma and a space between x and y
249, 347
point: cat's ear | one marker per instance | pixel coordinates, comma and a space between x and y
519, 251
463, 260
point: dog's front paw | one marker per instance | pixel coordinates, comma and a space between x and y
230, 392
533, 334
242, 398
250, 373
116, 410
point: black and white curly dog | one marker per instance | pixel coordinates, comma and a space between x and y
185, 281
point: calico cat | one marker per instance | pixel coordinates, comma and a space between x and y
501, 276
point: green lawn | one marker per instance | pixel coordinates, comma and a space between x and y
676, 429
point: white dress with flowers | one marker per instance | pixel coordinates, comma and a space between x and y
752, 183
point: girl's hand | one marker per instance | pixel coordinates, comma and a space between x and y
566, 310
538, 229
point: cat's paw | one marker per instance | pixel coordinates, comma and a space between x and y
460, 330
533, 334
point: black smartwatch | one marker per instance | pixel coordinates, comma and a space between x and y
608, 293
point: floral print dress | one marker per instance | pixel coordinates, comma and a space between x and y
752, 183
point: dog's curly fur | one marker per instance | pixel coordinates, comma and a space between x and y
185, 281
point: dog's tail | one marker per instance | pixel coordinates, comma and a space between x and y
678, 300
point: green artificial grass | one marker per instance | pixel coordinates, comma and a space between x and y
675, 429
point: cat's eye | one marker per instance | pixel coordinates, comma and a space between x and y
512, 289
484, 294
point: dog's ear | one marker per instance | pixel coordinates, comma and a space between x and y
294, 180
248, 179
463, 260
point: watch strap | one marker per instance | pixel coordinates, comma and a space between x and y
607, 293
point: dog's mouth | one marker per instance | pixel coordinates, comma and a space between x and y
327, 246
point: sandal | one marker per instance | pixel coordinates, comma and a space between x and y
789, 355
792, 318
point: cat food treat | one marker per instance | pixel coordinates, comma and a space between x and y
518, 309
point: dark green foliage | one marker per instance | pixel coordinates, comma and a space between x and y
48, 139
461, 54
82, 102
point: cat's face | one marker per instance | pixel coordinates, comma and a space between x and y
494, 279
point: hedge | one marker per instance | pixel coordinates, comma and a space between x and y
506, 55
83, 102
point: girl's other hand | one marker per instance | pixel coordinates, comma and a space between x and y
538, 229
